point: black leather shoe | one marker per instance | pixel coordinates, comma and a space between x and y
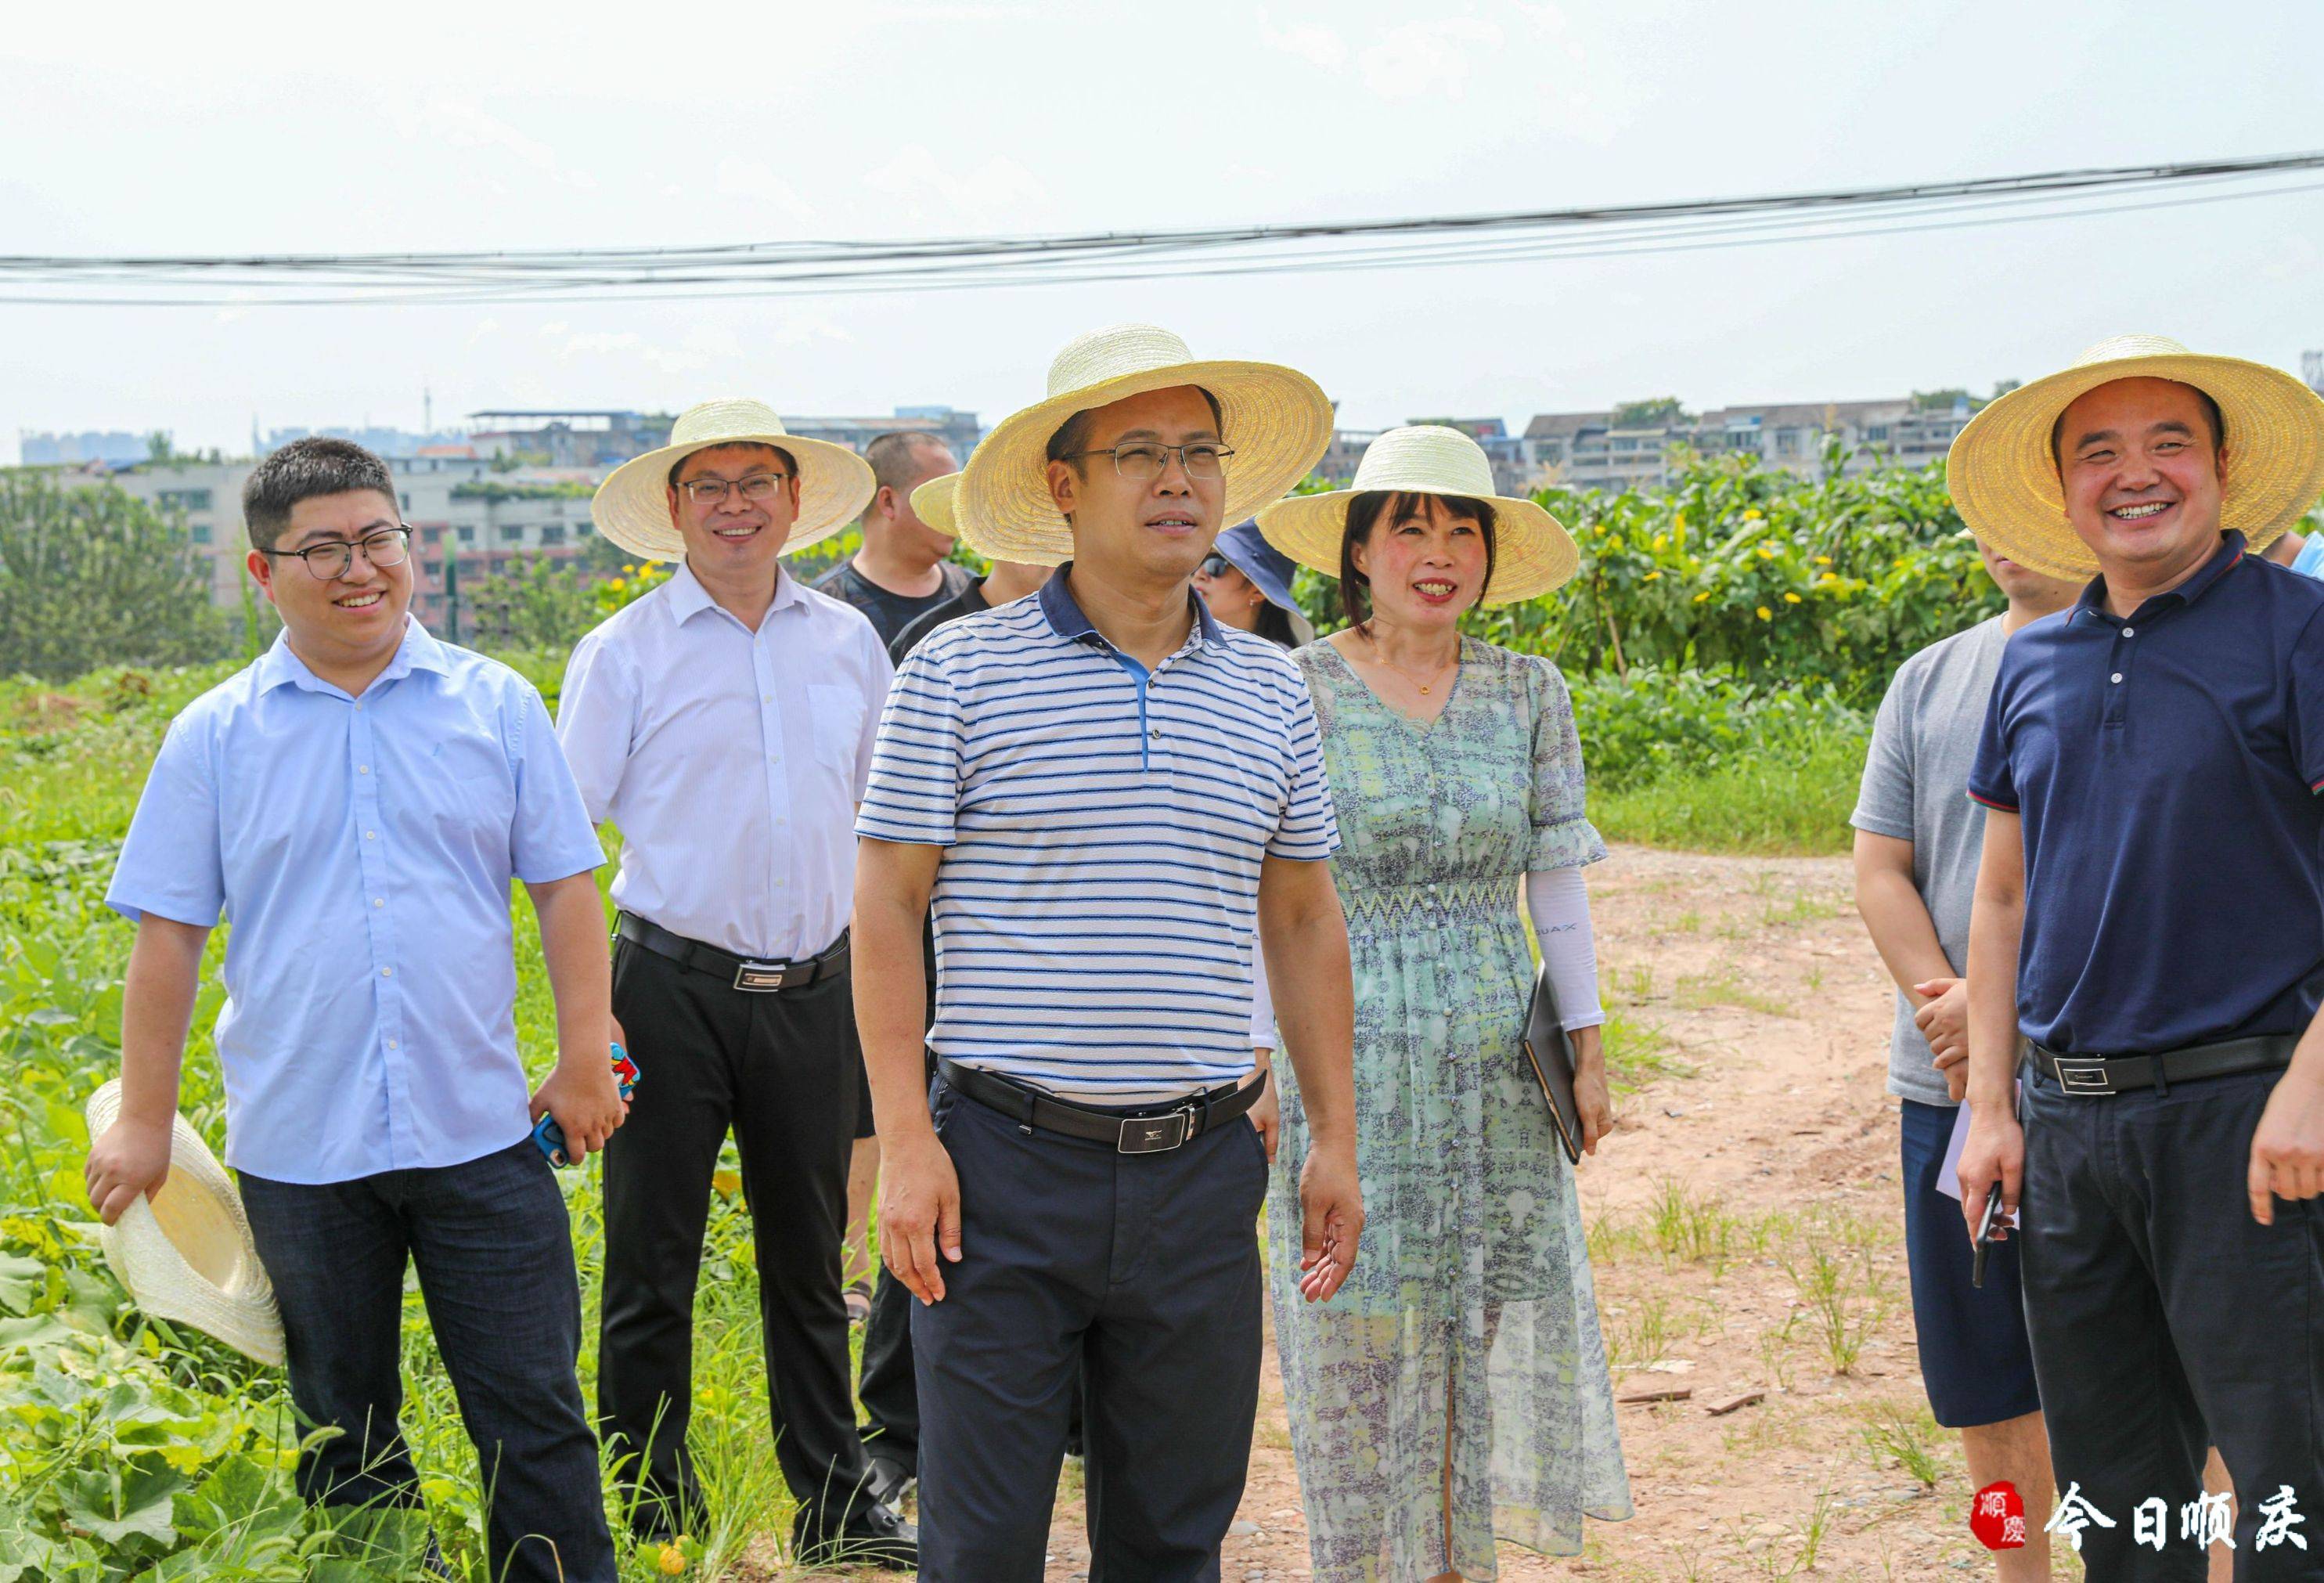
869, 1534
890, 1480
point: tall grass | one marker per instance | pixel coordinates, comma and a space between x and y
1773, 804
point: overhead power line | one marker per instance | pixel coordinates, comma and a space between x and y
803, 268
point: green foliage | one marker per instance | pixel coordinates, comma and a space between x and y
90, 575
1656, 412
495, 490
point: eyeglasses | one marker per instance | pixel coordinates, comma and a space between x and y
1216, 566
711, 491
1144, 460
330, 559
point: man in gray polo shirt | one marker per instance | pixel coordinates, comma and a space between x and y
1112, 799
1917, 840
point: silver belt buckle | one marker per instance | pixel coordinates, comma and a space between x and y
2083, 1074
761, 977
1153, 1135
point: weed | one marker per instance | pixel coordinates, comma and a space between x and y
1692, 1230
1638, 1053
1643, 1335
1901, 1436
1843, 1310
1701, 991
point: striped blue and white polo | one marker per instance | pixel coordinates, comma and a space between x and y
1096, 905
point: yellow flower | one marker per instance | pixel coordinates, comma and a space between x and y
1650, 577
1678, 521
1790, 598
1766, 613
728, 1182
1661, 539
1823, 560
617, 585
1700, 597
1751, 515
672, 1560
1766, 552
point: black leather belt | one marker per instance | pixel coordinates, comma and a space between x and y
1142, 1129
743, 973
2105, 1074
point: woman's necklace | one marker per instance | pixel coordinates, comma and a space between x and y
1381, 654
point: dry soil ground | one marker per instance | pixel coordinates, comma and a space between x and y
1747, 1235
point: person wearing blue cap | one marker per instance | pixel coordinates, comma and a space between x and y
1246, 583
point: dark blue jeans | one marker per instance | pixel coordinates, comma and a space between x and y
2161, 1313
495, 1255
1131, 1279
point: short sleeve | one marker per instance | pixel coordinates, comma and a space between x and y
172, 862
1991, 780
596, 715
552, 836
1308, 831
2307, 700
1884, 799
1563, 835
879, 677
912, 793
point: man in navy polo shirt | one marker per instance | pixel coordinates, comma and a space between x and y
2150, 914
1109, 796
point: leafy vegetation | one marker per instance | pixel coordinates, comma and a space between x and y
90, 575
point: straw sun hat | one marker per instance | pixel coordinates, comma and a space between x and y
932, 503
631, 506
1532, 551
186, 1255
1275, 420
2003, 479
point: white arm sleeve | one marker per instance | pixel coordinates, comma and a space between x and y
1262, 1003
1559, 904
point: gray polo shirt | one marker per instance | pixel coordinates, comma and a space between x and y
1917, 788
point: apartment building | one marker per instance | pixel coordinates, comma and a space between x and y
1619, 450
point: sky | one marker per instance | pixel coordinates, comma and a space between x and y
307, 128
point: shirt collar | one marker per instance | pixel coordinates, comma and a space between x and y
1066, 620
419, 651
2223, 561
688, 598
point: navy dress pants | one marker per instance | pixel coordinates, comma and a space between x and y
494, 1249
1142, 1269
2162, 1314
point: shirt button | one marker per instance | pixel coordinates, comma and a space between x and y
373, 835
387, 972
2130, 631
392, 1044
379, 901
2118, 676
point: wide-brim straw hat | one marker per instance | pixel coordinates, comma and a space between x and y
1532, 551
2004, 477
631, 506
932, 503
187, 1254
1277, 421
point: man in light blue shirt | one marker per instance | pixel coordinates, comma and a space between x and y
355, 804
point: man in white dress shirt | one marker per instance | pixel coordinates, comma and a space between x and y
725, 723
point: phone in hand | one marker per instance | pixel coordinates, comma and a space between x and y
1986, 1223
550, 1138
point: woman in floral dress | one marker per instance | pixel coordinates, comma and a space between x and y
1455, 1391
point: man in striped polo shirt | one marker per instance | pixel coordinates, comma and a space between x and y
1111, 799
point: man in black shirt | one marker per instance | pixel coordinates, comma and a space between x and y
903, 570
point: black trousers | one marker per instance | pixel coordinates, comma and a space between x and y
779, 1071
1140, 1272
494, 1249
2164, 1316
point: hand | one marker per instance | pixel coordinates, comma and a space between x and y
2287, 1152
586, 1100
1943, 1018
1331, 1219
132, 1158
919, 1211
1993, 1151
1590, 1095
1267, 1110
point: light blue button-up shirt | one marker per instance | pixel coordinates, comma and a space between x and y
361, 849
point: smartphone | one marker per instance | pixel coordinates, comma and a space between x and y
1984, 1225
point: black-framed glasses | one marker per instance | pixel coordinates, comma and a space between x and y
1144, 460
330, 559
755, 487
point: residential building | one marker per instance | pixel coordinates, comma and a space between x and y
41, 449
956, 429
578, 438
1590, 451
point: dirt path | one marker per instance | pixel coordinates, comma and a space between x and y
1746, 1234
